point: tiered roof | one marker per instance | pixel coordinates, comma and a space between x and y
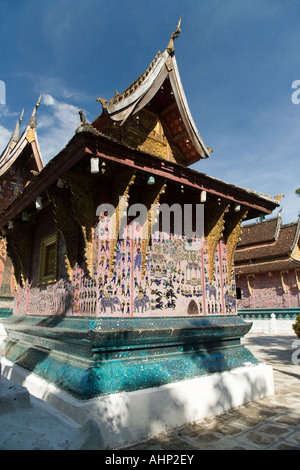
159, 92
20, 160
268, 246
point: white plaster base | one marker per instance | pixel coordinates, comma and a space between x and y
272, 326
124, 418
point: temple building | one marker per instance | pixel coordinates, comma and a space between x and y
117, 315
267, 269
19, 162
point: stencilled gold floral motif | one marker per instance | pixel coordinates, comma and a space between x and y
214, 226
85, 213
232, 235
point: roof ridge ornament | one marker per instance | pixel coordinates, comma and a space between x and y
32, 121
84, 124
174, 35
16, 134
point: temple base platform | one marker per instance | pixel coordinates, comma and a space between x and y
135, 377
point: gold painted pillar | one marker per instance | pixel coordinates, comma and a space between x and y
232, 235
151, 199
65, 224
120, 196
84, 209
18, 243
214, 226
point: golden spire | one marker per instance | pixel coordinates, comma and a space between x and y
174, 35
32, 121
16, 135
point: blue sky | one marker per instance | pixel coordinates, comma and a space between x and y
237, 60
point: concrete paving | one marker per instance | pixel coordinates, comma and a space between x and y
269, 423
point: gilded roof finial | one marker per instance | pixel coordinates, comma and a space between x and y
174, 35
16, 135
82, 117
32, 121
278, 197
103, 102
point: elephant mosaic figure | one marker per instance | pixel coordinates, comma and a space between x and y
109, 302
141, 304
230, 301
212, 292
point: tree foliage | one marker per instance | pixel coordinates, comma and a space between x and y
296, 326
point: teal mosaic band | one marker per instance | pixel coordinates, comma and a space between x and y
90, 357
5, 312
265, 313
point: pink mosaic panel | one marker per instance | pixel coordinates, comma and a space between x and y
175, 281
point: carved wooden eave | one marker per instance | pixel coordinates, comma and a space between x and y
86, 144
17, 144
159, 87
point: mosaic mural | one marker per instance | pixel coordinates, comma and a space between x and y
173, 282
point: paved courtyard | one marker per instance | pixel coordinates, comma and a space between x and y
269, 423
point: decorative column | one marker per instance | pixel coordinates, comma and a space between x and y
151, 200
214, 226
84, 209
120, 196
232, 235
65, 223
18, 242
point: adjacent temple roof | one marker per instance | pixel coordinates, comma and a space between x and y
20, 159
268, 246
153, 115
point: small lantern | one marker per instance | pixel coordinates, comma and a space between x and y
203, 196
38, 203
25, 216
103, 167
151, 180
60, 183
94, 165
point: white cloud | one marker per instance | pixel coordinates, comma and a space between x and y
57, 123
5, 135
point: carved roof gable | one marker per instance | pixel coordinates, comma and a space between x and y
158, 91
